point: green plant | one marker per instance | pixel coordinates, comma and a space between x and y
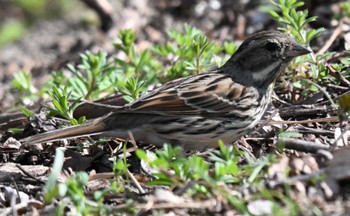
72, 191
295, 23
189, 53
92, 76
345, 7
224, 171
131, 89
62, 107
140, 66
11, 30
22, 83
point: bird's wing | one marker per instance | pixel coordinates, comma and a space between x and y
207, 93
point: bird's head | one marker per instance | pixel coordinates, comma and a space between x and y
262, 57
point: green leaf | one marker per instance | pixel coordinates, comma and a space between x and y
142, 155
297, 84
26, 111
290, 134
345, 61
165, 182
230, 48
256, 170
81, 120
274, 14
10, 30
15, 130
73, 121
51, 188
127, 37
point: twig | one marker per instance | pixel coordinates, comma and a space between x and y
333, 37
337, 75
336, 98
330, 85
331, 119
336, 56
98, 104
303, 129
137, 184
267, 120
322, 90
305, 110
188, 185
17, 191
99, 176
302, 145
28, 174
132, 139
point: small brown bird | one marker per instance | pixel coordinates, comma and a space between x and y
196, 111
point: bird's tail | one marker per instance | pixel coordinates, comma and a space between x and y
94, 127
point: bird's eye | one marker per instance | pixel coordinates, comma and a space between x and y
272, 46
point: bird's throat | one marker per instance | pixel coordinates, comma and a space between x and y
267, 75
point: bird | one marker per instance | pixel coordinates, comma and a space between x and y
196, 111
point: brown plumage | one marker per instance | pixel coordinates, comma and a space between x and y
196, 111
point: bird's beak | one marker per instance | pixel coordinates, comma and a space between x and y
296, 50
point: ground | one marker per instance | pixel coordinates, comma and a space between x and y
295, 162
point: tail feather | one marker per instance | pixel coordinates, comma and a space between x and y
88, 128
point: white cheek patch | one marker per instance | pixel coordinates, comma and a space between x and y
265, 72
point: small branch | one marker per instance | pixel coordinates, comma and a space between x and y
183, 190
305, 110
302, 145
303, 129
331, 119
17, 191
132, 140
329, 85
267, 120
28, 174
336, 56
338, 75
99, 176
333, 37
134, 180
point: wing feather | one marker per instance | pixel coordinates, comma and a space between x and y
208, 93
